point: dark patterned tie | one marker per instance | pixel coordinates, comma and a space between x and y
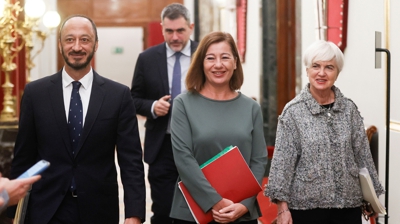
75, 117
75, 120
176, 77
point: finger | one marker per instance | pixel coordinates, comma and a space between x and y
162, 105
166, 98
227, 209
224, 220
31, 180
164, 110
161, 108
35, 178
214, 211
165, 104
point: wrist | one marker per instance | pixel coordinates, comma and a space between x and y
282, 205
282, 211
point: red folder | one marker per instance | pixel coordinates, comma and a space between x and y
229, 174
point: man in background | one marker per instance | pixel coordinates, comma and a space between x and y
158, 78
78, 121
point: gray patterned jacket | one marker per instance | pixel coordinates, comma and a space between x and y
318, 154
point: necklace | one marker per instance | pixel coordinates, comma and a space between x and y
327, 108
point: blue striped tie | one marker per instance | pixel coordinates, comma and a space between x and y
176, 77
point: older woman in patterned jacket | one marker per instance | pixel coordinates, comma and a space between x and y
320, 147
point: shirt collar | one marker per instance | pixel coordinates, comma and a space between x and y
315, 107
85, 80
185, 51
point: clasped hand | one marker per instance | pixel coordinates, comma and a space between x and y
284, 218
161, 107
225, 211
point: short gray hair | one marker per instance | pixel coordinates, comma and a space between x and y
322, 50
175, 11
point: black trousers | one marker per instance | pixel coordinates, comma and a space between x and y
327, 216
162, 177
177, 221
67, 212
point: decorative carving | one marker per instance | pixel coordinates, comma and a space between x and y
332, 21
241, 10
337, 22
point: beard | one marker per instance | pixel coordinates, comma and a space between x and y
76, 65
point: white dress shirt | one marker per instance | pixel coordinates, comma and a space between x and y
185, 63
84, 91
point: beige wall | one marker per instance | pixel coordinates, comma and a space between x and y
252, 67
118, 66
46, 61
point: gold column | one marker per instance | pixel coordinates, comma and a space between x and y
16, 34
9, 48
29, 29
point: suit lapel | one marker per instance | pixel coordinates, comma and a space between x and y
95, 103
162, 68
55, 92
193, 47
162, 60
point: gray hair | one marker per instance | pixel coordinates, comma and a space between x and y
175, 11
322, 50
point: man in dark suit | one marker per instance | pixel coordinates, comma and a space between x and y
153, 90
80, 186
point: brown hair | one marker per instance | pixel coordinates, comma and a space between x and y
196, 78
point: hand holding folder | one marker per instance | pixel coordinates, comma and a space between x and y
229, 174
369, 192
